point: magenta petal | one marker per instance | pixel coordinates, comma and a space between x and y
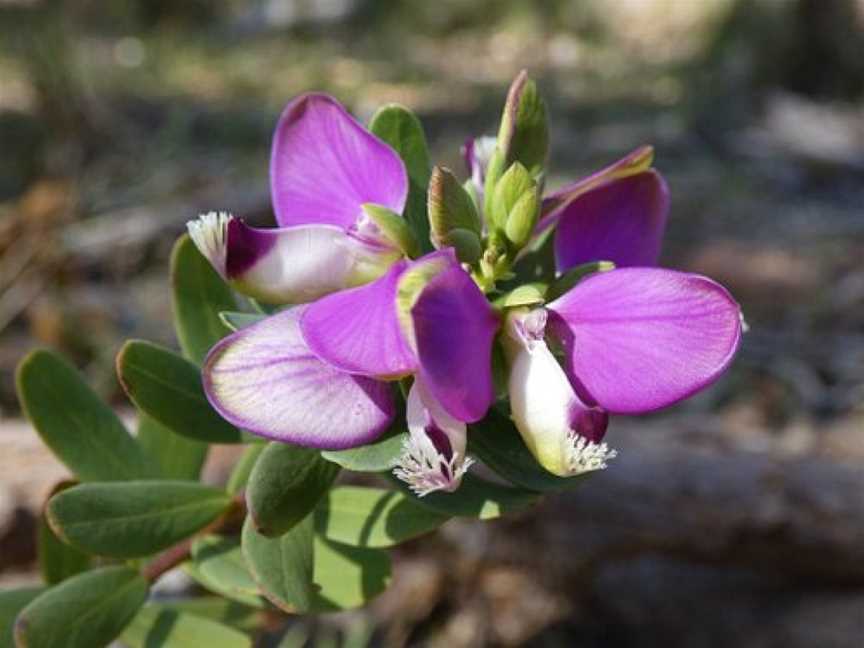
638, 339
324, 166
358, 331
454, 327
265, 380
622, 221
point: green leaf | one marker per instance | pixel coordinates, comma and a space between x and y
199, 295
231, 613
220, 561
348, 577
285, 486
168, 389
476, 497
133, 519
177, 456
159, 626
282, 566
373, 517
378, 456
11, 603
58, 560
86, 611
496, 442
401, 129
81, 430
243, 468
235, 320
574, 275
254, 601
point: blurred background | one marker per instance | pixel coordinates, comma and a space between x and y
735, 519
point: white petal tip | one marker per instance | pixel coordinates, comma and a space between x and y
426, 471
586, 456
209, 233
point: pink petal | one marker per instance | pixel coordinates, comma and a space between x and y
454, 327
358, 331
324, 165
265, 380
621, 221
639, 339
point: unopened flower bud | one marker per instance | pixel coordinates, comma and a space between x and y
453, 217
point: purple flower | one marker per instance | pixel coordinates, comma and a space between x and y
324, 168
634, 340
314, 375
617, 214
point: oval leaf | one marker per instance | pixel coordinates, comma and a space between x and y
11, 603
283, 566
220, 560
379, 456
348, 577
177, 457
58, 560
199, 295
158, 625
87, 611
230, 613
133, 519
243, 468
373, 517
81, 430
401, 129
168, 389
236, 320
476, 497
285, 485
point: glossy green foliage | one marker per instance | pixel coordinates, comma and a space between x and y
81, 430
133, 519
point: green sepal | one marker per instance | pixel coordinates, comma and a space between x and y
450, 208
531, 294
394, 228
88, 610
168, 388
81, 430
133, 519
285, 485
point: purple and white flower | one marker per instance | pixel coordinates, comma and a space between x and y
324, 168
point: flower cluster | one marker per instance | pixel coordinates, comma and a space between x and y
371, 302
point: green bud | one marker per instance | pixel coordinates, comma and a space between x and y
451, 208
523, 217
394, 228
467, 244
512, 186
524, 133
